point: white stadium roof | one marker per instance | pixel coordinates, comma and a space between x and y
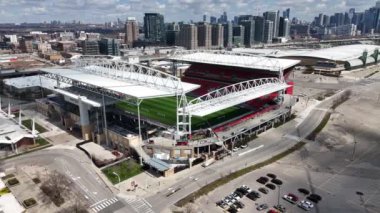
339, 53
251, 62
116, 81
33, 81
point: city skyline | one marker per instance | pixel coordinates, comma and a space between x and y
97, 11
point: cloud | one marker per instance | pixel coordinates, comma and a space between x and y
173, 10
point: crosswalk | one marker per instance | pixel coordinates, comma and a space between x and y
140, 205
97, 207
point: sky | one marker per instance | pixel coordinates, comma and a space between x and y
100, 11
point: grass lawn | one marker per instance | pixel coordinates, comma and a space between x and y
164, 110
28, 124
41, 141
125, 170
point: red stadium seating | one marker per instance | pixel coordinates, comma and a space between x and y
212, 77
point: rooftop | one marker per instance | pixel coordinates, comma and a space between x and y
138, 85
339, 53
245, 61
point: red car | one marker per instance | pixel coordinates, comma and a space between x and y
291, 198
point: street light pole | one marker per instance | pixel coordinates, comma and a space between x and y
117, 176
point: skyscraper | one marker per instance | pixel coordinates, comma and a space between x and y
212, 19
204, 18
286, 13
188, 36
131, 31
268, 31
259, 29
284, 27
238, 35
154, 27
217, 35
204, 35
273, 16
249, 32
227, 34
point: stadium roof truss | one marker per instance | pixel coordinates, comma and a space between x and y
231, 95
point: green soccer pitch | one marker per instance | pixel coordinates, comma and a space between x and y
164, 111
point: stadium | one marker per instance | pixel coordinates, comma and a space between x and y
222, 99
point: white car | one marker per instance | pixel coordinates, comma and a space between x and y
246, 188
306, 205
235, 149
244, 146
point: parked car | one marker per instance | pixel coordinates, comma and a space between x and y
262, 207
243, 146
273, 176
291, 198
252, 197
235, 149
246, 188
241, 191
278, 182
263, 190
240, 205
280, 208
306, 205
270, 186
262, 180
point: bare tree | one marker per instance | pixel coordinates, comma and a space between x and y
189, 208
56, 187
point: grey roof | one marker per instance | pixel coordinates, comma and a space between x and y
158, 164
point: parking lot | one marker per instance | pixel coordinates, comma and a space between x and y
274, 197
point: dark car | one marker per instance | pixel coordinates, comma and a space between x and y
273, 176
271, 186
278, 182
239, 204
313, 199
252, 197
291, 198
241, 191
263, 180
232, 209
263, 190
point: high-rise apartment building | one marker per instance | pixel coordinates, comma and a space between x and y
204, 35
217, 34
188, 36
154, 27
131, 31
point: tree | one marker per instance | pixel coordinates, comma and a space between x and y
189, 208
56, 186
